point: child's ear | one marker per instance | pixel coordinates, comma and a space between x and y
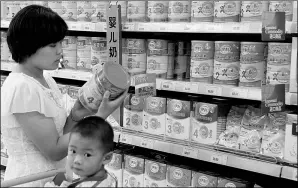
107, 158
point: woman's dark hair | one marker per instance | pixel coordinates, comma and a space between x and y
94, 127
32, 28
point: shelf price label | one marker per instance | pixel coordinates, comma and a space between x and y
190, 88
125, 139
213, 90
219, 159
190, 152
239, 93
89, 26
168, 85
147, 143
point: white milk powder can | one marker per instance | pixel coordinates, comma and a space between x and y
202, 11
69, 46
253, 10
114, 167
282, 6
227, 11
136, 11
84, 10
133, 173
84, 53
157, 57
69, 10
157, 11
178, 177
100, 11
155, 174
99, 54
179, 11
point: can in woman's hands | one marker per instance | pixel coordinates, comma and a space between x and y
112, 77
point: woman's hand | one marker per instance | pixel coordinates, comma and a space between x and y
107, 107
78, 111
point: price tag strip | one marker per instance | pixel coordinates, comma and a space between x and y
219, 159
239, 93
213, 90
126, 139
147, 143
190, 152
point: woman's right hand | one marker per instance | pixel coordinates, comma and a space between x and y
107, 107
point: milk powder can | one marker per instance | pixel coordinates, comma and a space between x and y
178, 119
179, 11
99, 53
69, 46
282, 6
84, 53
133, 173
180, 63
171, 59
252, 63
114, 167
178, 177
134, 56
123, 5
227, 11
157, 57
133, 112
69, 10
154, 116
253, 10
100, 11
56, 6
157, 11
203, 180
5, 53
155, 174
202, 11
136, 11
202, 60
111, 78
84, 10
12, 8
226, 63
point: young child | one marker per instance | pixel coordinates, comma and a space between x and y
89, 150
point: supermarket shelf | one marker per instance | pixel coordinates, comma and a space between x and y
289, 173
201, 27
201, 153
4, 161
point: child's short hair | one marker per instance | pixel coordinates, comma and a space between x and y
96, 128
32, 28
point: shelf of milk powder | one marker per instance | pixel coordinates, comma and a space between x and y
291, 98
202, 153
209, 89
71, 74
289, 173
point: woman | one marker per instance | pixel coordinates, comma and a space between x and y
34, 125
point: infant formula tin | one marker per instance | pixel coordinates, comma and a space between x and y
180, 63
278, 75
123, 5
64, 91
207, 123
100, 11
69, 10
222, 182
178, 177
253, 10
84, 11
202, 60
99, 53
113, 77
114, 167
84, 53
69, 46
154, 115
134, 56
136, 11
279, 53
282, 6
202, 11
157, 11
252, 63
155, 174
227, 11
203, 180
157, 57
171, 59
226, 62
133, 173
5, 53
133, 112
178, 119
12, 8
291, 139
179, 11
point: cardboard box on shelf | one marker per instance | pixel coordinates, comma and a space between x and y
291, 139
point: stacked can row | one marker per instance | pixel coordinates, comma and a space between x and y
159, 11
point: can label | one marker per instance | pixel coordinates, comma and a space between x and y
100, 12
278, 74
178, 177
134, 46
201, 69
251, 72
282, 6
253, 10
69, 43
226, 11
158, 11
279, 53
157, 47
134, 63
84, 10
155, 174
202, 11
157, 64
136, 10
84, 47
226, 47
13, 8
108, 86
70, 62
226, 73
179, 11
84, 63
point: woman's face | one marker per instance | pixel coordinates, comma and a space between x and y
48, 57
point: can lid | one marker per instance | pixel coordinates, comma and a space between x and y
117, 75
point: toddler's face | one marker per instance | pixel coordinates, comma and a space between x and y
85, 156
